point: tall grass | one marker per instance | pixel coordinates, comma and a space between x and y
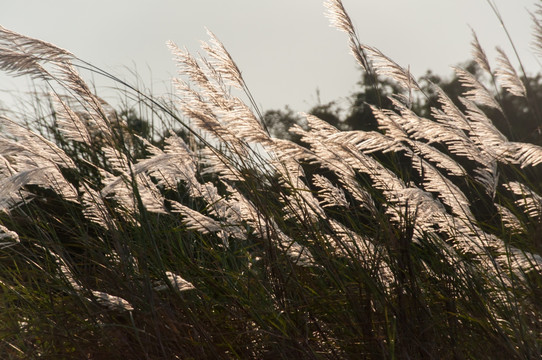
205, 237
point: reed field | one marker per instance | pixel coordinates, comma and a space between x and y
181, 229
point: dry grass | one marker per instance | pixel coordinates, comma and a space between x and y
216, 240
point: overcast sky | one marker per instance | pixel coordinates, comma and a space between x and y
285, 48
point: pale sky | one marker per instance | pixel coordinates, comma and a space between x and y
284, 48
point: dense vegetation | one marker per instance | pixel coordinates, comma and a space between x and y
408, 229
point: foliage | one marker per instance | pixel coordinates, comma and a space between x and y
416, 238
